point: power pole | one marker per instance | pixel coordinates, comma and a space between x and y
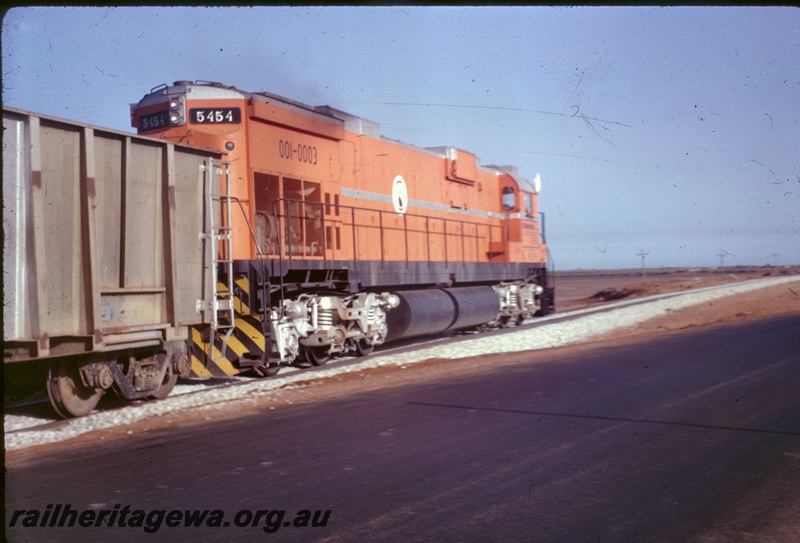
775, 258
643, 254
721, 255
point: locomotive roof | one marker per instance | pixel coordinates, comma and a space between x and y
211, 89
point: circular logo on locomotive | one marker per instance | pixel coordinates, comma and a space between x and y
400, 194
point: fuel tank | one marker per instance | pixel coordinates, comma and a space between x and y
432, 311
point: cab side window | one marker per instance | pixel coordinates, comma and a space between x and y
509, 199
528, 204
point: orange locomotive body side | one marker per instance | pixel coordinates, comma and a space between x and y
331, 177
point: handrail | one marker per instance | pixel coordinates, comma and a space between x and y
282, 213
264, 304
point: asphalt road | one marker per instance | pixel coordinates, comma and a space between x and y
688, 437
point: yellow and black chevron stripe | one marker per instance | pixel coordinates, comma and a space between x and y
248, 341
241, 294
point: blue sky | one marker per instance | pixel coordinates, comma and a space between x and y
669, 130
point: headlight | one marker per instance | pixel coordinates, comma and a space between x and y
177, 111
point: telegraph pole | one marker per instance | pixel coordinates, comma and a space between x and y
643, 254
721, 259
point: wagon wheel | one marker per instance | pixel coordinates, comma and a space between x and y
68, 395
170, 378
318, 356
363, 348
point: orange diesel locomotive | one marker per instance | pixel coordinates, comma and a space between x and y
333, 239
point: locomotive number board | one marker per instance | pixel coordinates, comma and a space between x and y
215, 115
153, 120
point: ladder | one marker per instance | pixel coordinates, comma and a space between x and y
223, 320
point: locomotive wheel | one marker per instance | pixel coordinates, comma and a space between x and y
363, 348
68, 395
267, 369
508, 321
318, 356
272, 370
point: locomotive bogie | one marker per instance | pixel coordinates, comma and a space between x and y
518, 301
341, 323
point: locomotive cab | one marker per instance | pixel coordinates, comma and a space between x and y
518, 200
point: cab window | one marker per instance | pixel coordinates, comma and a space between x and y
509, 199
